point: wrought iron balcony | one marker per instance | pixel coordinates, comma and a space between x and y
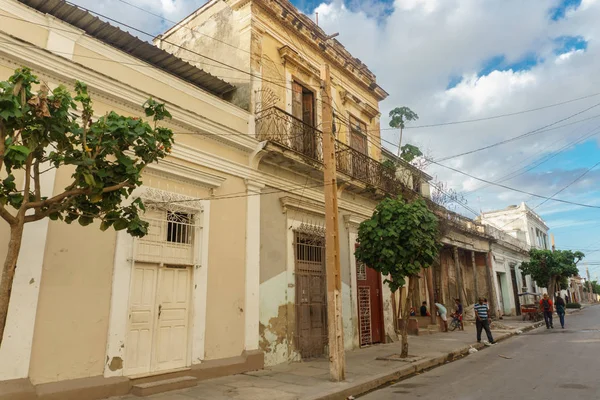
352, 162
277, 126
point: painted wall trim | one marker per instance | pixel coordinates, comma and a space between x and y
252, 299
15, 353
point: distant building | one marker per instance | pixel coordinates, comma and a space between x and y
521, 222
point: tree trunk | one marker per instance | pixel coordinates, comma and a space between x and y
551, 287
8, 273
406, 315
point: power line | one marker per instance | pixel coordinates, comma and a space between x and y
514, 189
466, 121
524, 135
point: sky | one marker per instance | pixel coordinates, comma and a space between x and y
456, 60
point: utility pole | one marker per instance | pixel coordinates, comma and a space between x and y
553, 244
337, 359
589, 282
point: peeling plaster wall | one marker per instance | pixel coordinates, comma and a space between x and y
220, 33
276, 309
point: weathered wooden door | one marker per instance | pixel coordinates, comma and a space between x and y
142, 300
358, 141
157, 338
302, 126
370, 305
513, 278
172, 322
311, 295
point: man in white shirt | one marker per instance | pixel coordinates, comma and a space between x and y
443, 314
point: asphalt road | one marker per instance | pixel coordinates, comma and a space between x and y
542, 364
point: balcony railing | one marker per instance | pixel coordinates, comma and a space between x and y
362, 167
275, 125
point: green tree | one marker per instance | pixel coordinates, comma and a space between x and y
45, 129
399, 117
399, 240
547, 267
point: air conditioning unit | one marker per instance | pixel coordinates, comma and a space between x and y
524, 289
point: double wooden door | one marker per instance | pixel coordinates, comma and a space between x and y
158, 324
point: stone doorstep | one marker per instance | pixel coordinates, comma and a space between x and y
166, 385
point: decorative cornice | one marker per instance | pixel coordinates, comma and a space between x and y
288, 202
162, 200
290, 56
365, 107
166, 168
351, 220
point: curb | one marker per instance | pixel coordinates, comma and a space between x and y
373, 382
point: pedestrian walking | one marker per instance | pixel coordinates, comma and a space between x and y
560, 310
482, 320
546, 307
443, 315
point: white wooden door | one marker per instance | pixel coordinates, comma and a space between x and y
157, 336
142, 315
171, 343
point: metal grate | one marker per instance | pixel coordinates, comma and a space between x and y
364, 311
311, 293
361, 271
170, 238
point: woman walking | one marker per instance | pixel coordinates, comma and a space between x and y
560, 310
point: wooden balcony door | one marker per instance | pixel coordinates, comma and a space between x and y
303, 109
358, 140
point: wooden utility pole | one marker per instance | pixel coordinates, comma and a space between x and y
337, 360
589, 282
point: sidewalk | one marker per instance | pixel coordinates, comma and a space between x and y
365, 371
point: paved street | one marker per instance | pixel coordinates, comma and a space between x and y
542, 364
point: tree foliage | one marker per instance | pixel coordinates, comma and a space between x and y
400, 116
43, 130
548, 267
399, 239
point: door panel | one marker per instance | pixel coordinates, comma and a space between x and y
370, 305
141, 319
311, 303
172, 321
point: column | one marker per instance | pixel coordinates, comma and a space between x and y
252, 309
459, 287
491, 286
475, 275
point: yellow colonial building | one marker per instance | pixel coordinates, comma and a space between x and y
241, 282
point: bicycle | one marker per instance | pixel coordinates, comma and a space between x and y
455, 323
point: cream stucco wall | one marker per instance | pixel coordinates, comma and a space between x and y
72, 316
226, 283
73, 307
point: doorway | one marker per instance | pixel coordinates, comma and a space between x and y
311, 295
513, 278
158, 324
303, 133
370, 305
